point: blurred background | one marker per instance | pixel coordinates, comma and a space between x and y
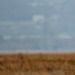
47, 25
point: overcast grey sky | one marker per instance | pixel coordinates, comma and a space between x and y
26, 18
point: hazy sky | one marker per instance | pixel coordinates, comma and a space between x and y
60, 14
25, 23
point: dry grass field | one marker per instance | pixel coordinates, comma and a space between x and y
37, 64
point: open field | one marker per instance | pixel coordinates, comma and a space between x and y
37, 64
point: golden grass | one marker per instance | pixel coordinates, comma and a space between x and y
37, 64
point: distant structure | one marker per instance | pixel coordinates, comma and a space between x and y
45, 28
47, 33
1, 39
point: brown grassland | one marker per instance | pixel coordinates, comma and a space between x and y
37, 64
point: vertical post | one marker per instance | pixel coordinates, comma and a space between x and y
45, 28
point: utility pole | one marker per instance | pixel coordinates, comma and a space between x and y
44, 25
45, 28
